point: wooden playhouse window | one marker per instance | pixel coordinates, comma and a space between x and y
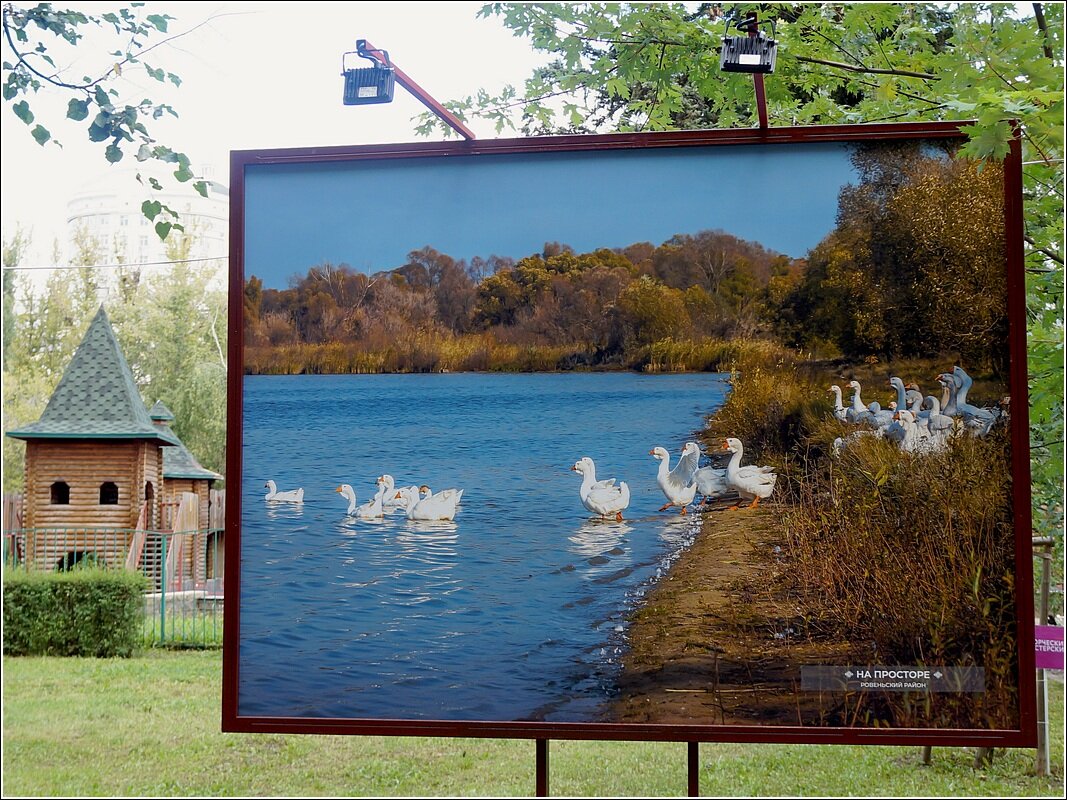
109, 493
60, 494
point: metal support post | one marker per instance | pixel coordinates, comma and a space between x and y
1043, 759
542, 768
694, 769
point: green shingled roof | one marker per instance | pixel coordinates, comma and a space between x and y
96, 398
160, 413
178, 462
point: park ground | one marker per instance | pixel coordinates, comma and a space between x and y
149, 726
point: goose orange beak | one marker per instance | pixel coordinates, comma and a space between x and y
396, 496
337, 489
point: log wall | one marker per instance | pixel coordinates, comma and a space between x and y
84, 466
201, 488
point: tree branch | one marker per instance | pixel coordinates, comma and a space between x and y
87, 86
909, 95
1039, 15
822, 35
926, 76
1044, 251
215, 336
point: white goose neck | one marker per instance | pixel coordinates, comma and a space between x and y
664, 467
735, 462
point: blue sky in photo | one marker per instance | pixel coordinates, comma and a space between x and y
371, 214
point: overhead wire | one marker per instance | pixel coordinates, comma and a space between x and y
117, 265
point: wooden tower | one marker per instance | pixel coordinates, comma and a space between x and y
94, 458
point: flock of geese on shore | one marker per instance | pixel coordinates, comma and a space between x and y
916, 423
606, 498
679, 485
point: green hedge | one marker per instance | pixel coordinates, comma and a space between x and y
84, 612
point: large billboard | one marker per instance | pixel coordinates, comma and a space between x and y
711, 435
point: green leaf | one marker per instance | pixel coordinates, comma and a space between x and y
160, 24
77, 110
201, 188
183, 174
151, 208
100, 128
41, 135
22, 111
113, 153
163, 229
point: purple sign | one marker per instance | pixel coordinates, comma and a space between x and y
1048, 647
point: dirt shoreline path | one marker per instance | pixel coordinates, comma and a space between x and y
717, 642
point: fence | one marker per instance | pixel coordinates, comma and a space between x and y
183, 604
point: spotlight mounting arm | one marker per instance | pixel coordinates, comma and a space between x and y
383, 63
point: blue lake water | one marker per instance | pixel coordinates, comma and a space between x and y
517, 609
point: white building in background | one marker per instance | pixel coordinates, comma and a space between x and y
109, 210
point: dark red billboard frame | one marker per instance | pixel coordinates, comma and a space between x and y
1025, 736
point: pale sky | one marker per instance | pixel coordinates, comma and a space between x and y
259, 75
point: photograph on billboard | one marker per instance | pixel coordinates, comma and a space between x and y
651, 433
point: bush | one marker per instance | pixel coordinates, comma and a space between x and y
84, 612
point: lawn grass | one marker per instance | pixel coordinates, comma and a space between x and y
149, 725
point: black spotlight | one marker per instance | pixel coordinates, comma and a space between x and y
369, 84
752, 51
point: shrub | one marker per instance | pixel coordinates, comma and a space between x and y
84, 612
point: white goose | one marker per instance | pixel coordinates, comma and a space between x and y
388, 487
857, 412
712, 483
392, 501
978, 420
752, 483
948, 394
274, 496
430, 507
677, 484
913, 438
938, 425
372, 509
601, 497
877, 417
840, 412
898, 386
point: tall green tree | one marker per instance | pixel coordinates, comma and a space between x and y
170, 323
655, 67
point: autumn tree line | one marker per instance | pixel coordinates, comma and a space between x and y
913, 268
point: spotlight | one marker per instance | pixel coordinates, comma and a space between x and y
753, 51
370, 84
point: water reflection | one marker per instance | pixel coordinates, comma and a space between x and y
598, 536
284, 511
440, 535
